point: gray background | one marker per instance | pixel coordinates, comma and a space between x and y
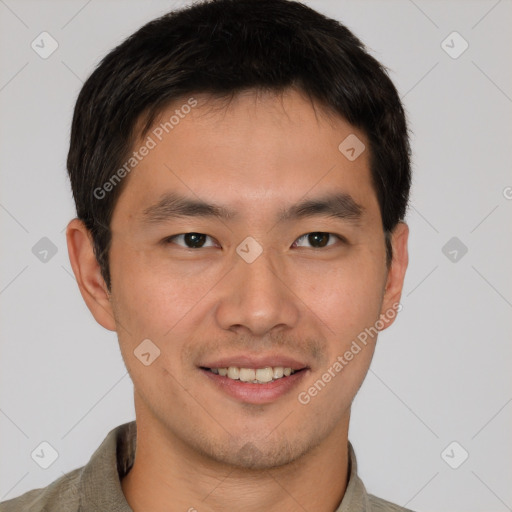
440, 374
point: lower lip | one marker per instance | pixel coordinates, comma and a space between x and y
251, 393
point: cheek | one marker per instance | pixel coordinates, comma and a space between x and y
346, 297
152, 294
348, 302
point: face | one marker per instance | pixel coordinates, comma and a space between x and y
255, 282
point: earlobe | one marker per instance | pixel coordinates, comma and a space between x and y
396, 274
88, 274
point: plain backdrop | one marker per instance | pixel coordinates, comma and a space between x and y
441, 373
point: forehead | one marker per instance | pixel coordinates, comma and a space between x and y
250, 151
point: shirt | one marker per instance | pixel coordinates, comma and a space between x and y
97, 485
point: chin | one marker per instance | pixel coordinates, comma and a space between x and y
259, 453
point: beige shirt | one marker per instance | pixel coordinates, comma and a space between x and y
97, 485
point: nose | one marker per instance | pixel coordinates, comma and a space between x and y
257, 297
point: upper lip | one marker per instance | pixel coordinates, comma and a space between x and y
255, 362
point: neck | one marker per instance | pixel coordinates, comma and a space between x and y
169, 476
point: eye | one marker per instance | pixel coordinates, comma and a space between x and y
318, 239
191, 240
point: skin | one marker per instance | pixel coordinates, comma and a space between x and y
197, 447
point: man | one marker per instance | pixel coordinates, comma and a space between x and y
241, 174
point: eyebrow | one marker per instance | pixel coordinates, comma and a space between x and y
341, 206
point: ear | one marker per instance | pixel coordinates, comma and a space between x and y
396, 274
88, 275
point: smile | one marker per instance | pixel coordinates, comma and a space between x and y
263, 385
255, 376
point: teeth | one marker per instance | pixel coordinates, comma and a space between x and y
233, 372
247, 375
264, 374
278, 372
258, 376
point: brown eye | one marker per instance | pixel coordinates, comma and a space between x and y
190, 240
317, 239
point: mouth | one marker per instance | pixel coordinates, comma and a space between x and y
254, 375
255, 384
